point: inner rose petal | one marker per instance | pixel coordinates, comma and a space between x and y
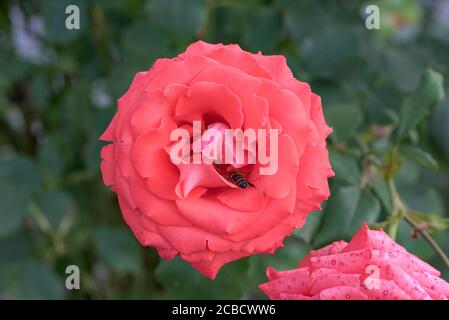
255, 108
236, 150
198, 178
152, 161
154, 106
209, 98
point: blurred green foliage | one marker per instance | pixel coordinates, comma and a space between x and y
381, 91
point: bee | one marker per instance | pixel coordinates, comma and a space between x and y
237, 178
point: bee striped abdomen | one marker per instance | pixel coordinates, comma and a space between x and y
239, 180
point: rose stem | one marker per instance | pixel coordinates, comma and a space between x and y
429, 240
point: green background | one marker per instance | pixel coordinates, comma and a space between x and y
58, 95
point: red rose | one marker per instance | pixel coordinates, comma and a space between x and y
370, 267
194, 210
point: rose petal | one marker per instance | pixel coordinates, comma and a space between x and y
152, 161
108, 169
292, 281
154, 106
208, 98
234, 57
406, 283
342, 293
255, 109
328, 279
215, 217
388, 290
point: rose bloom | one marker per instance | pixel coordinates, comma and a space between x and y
370, 267
193, 210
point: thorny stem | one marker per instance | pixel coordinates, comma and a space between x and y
429, 240
399, 212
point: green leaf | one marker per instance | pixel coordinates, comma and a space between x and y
422, 197
403, 69
326, 50
345, 167
117, 248
439, 127
348, 208
185, 16
380, 188
419, 156
429, 93
264, 29
20, 172
309, 228
368, 210
344, 119
39, 91
383, 103
15, 248
50, 161
408, 174
13, 208
55, 205
142, 44
37, 281
181, 281
340, 210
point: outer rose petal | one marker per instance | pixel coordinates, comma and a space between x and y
145, 237
251, 200
332, 248
287, 109
216, 217
277, 66
233, 57
296, 281
281, 73
153, 163
161, 211
194, 211
108, 169
332, 279
358, 270
388, 290
342, 293
211, 268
